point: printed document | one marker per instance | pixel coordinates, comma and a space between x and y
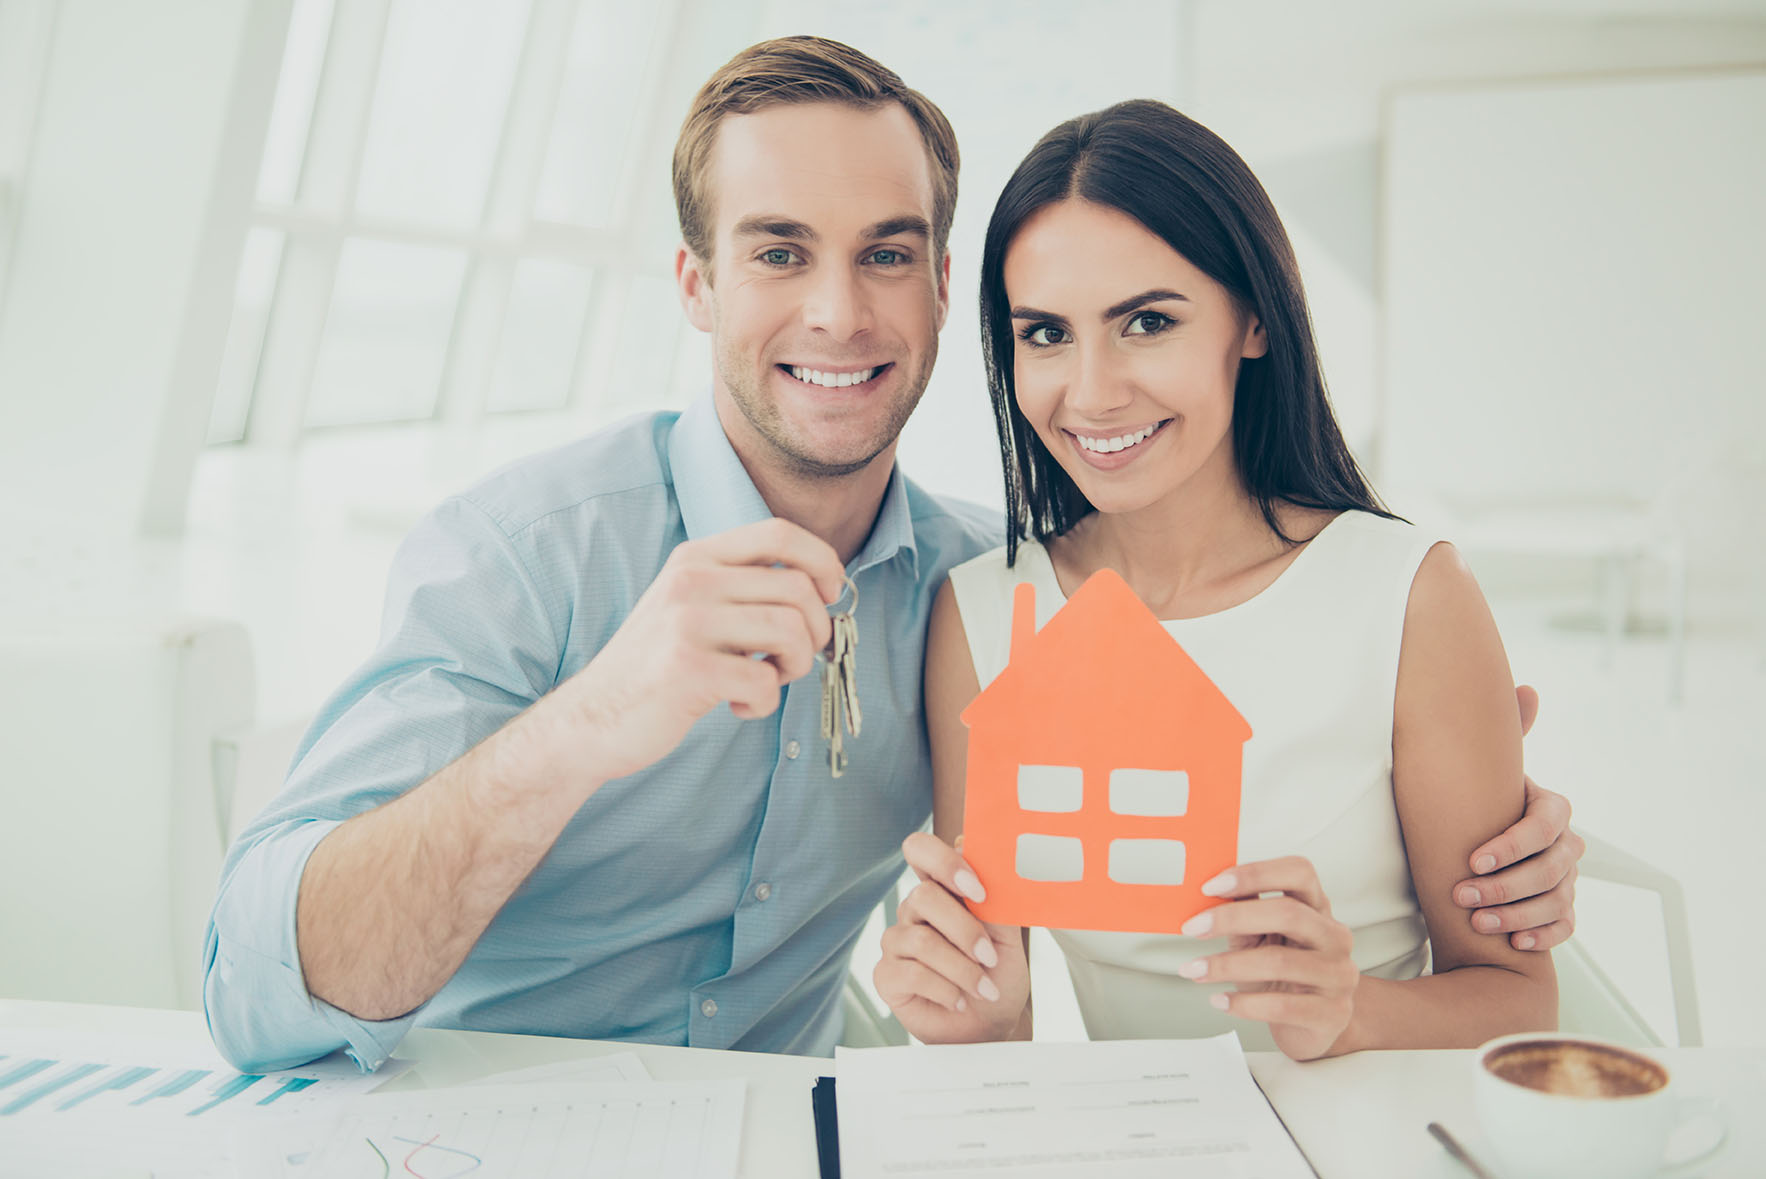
1115, 1109
632, 1129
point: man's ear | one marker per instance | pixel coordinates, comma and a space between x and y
943, 289
1256, 340
694, 287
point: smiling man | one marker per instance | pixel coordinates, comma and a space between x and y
580, 788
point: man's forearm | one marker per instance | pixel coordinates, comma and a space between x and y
392, 901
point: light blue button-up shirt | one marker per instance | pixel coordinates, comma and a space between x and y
711, 900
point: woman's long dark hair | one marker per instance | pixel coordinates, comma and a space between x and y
1184, 184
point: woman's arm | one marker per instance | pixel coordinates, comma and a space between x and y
1456, 775
950, 684
948, 975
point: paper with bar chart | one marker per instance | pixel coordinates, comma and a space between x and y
55, 1076
73, 1103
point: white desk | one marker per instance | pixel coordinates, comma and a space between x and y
1358, 1117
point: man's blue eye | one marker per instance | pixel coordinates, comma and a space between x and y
888, 257
776, 257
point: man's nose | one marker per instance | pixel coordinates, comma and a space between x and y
837, 304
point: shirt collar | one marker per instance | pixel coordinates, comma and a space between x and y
711, 484
715, 493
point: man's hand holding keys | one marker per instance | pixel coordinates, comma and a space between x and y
732, 617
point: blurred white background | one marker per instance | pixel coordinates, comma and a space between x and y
277, 275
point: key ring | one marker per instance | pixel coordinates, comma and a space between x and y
827, 653
850, 585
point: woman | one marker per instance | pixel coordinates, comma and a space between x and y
1162, 414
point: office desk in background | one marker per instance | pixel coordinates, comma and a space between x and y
1357, 1117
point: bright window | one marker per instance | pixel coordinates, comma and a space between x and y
445, 219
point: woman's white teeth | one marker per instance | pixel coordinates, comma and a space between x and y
815, 376
1111, 445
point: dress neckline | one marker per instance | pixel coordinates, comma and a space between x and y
1047, 573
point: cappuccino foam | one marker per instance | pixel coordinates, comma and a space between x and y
1569, 1068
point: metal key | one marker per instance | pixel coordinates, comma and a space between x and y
840, 711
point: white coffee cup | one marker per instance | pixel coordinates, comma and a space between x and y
1555, 1106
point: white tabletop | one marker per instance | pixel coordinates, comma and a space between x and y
1357, 1117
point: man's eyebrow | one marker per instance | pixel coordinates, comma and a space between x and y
1141, 300
770, 225
907, 225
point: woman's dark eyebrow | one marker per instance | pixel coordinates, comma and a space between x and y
1133, 302
1114, 311
1041, 316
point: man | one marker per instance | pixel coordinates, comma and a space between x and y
581, 789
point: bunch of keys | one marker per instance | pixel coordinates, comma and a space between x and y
840, 685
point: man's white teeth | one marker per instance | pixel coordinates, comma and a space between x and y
815, 376
1112, 445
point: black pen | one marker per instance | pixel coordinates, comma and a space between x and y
1457, 1151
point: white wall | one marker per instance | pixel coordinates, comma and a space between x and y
1300, 91
141, 157
25, 29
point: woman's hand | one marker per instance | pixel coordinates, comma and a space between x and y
950, 977
1289, 957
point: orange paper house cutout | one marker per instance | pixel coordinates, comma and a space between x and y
1102, 688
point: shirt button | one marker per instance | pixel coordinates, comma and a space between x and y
792, 749
708, 1008
763, 891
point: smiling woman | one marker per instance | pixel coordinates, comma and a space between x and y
1187, 189
1163, 417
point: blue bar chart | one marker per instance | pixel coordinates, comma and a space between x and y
82, 1101
47, 1085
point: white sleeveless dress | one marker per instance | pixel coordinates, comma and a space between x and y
1312, 663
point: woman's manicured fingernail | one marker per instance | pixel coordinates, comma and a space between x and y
1219, 886
962, 1003
1198, 925
1219, 1002
970, 885
1526, 941
1487, 922
1484, 864
987, 990
1469, 898
985, 953
1194, 968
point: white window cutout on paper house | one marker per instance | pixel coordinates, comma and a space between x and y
1146, 861
1163, 794
1050, 858
1051, 788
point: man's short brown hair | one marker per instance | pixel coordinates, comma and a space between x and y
793, 70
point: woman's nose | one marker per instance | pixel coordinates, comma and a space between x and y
1098, 385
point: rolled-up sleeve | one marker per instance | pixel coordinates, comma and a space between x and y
468, 641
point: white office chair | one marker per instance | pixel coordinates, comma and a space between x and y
251, 764
1589, 1002
111, 839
